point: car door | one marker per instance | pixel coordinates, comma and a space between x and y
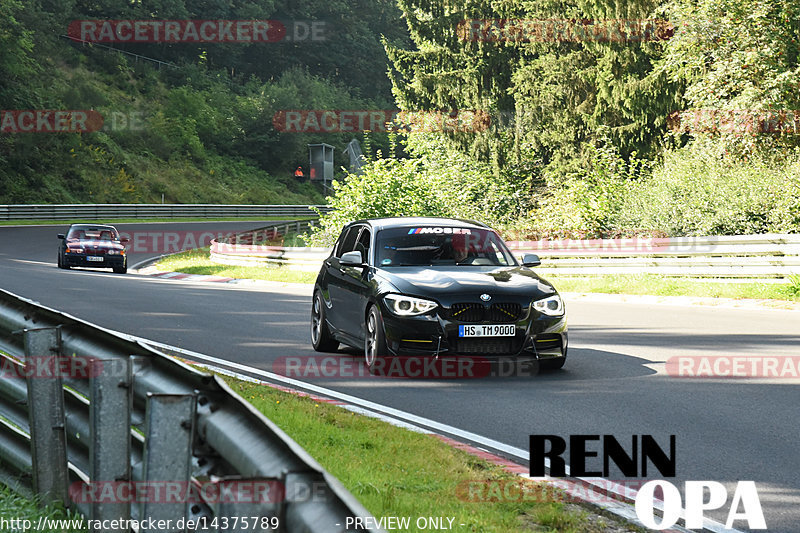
355, 281
336, 283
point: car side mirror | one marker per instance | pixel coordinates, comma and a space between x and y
124, 240
352, 259
531, 260
61, 236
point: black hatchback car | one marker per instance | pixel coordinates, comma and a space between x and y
435, 287
94, 246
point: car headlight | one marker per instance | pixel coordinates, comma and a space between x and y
407, 305
114, 252
74, 250
551, 306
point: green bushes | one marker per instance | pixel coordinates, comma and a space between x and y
434, 182
699, 190
587, 203
695, 190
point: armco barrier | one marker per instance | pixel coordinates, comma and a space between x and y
111, 211
770, 257
122, 413
765, 257
250, 248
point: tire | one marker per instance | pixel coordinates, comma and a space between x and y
321, 338
123, 269
374, 341
61, 263
552, 364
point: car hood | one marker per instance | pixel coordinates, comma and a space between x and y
100, 245
466, 283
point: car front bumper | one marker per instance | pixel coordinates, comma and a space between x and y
109, 261
537, 336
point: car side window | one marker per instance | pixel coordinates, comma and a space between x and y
363, 244
348, 242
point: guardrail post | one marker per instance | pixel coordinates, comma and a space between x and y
169, 433
110, 398
46, 414
247, 505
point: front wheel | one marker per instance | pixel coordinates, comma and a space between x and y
374, 341
123, 269
321, 338
61, 263
555, 363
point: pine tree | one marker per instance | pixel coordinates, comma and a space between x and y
549, 92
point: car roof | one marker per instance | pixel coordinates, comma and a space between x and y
92, 227
405, 222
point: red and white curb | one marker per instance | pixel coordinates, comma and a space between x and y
188, 277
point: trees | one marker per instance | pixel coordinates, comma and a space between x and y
16, 61
548, 92
739, 63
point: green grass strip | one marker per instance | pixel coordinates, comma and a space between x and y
14, 507
401, 473
197, 262
650, 284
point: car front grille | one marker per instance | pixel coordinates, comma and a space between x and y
475, 312
467, 312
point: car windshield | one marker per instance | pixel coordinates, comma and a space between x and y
441, 245
93, 234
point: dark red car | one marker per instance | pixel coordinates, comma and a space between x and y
93, 246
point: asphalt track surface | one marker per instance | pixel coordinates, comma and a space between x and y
613, 383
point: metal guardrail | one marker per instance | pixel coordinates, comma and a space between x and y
111, 211
124, 414
768, 257
253, 247
772, 257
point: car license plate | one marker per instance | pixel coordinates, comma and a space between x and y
94, 257
484, 330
